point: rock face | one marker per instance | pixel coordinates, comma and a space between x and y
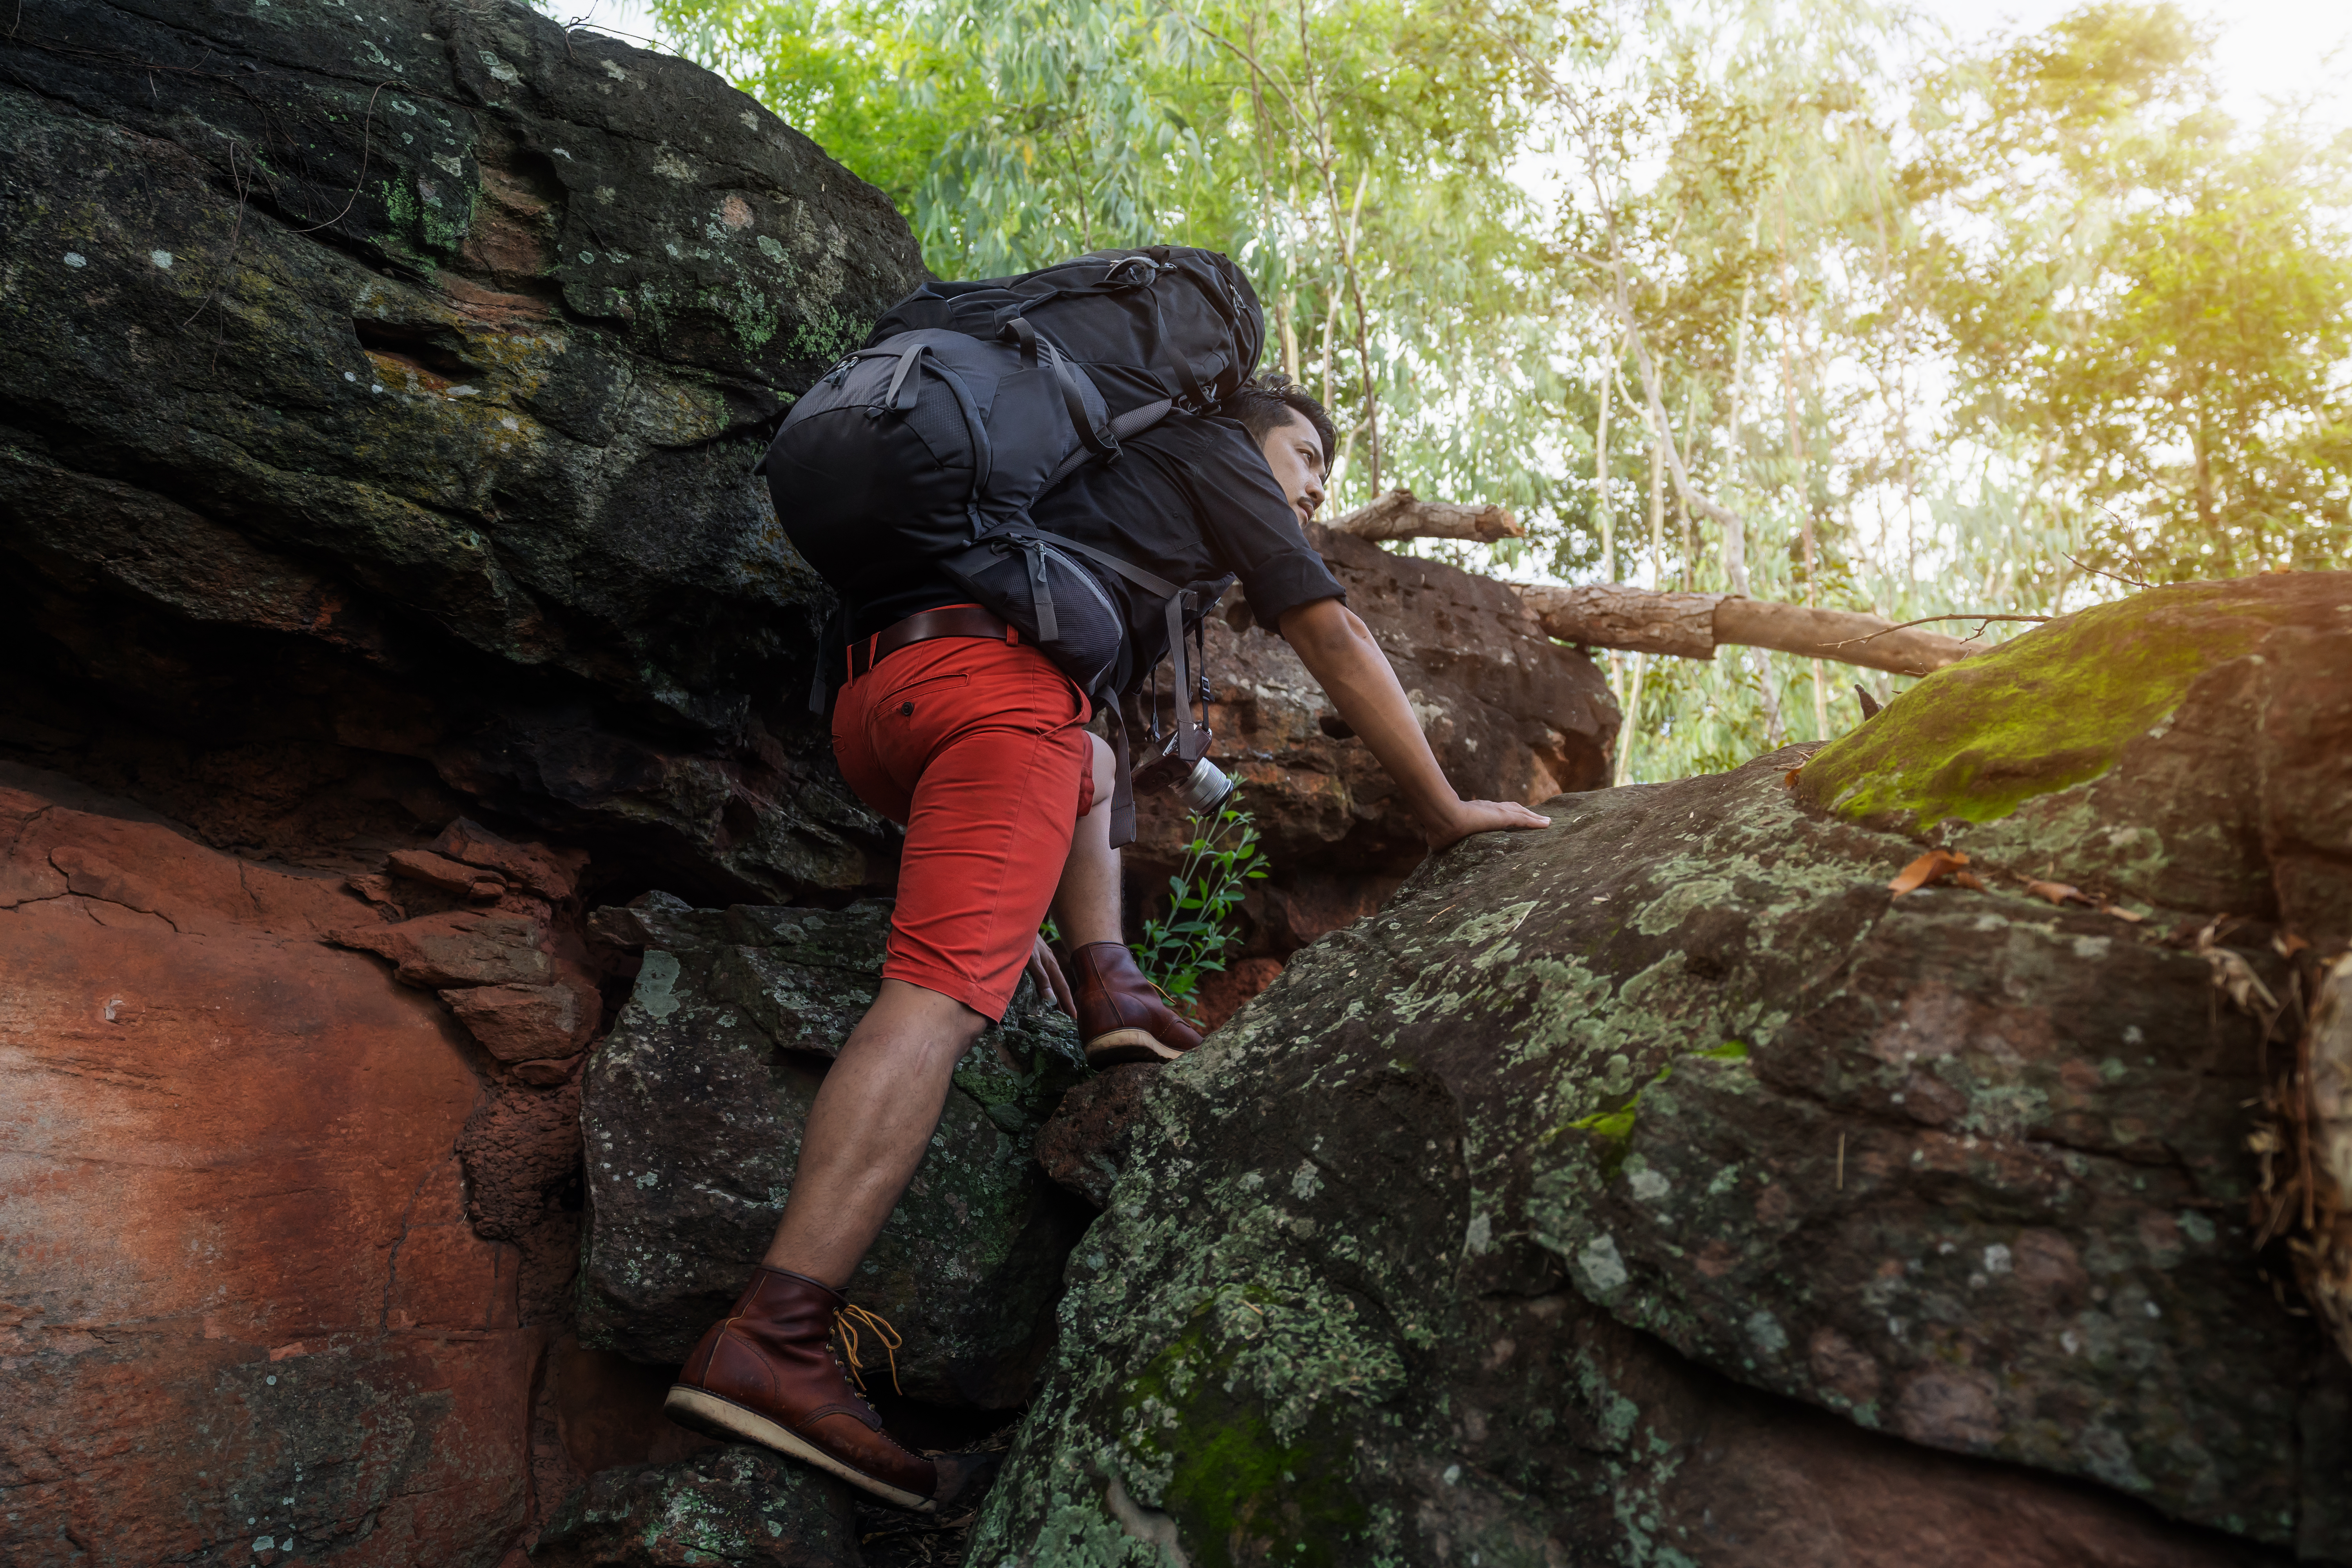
1085, 1142
376, 532
246, 1311
377, 399
1661, 1188
1511, 714
693, 1114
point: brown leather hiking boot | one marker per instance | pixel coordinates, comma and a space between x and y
1120, 1014
767, 1374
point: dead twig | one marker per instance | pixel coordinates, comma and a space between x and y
359, 183
2112, 576
228, 262
1924, 620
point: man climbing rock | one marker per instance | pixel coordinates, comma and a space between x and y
954, 725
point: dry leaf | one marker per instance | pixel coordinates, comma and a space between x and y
2121, 913
1789, 779
2057, 892
1969, 879
1933, 865
2287, 944
2235, 978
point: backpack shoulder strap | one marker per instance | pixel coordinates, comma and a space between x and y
1134, 422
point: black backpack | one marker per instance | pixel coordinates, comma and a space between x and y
971, 400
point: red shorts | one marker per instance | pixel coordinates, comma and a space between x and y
976, 746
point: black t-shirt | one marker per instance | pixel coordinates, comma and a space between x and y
1191, 501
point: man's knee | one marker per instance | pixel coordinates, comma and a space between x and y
918, 1015
1106, 766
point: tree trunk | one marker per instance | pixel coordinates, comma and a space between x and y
1693, 625
1401, 515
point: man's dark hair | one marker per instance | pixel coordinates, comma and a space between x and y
1264, 404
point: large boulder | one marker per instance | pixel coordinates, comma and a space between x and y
376, 532
693, 1113
378, 398
1511, 715
2184, 748
1663, 1188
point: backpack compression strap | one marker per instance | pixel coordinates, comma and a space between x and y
1191, 737
1018, 329
1134, 422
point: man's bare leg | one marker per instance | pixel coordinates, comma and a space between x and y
872, 1120
1086, 905
1122, 1018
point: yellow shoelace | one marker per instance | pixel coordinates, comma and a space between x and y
847, 1322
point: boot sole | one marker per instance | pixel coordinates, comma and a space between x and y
723, 1418
1121, 1047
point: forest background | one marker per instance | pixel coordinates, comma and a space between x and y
1804, 301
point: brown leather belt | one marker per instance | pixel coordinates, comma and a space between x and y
956, 621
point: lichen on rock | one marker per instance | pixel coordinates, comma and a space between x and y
1503, 1205
730, 1508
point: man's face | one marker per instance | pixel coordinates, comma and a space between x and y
1295, 453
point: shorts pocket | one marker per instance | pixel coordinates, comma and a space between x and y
945, 683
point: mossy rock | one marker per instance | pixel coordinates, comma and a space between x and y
2125, 747
1659, 1189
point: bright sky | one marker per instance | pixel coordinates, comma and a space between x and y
2268, 48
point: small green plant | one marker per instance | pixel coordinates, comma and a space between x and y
1191, 940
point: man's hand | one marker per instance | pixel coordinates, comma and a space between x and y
1339, 651
1046, 971
1469, 816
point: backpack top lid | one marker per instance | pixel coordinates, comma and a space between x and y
1168, 321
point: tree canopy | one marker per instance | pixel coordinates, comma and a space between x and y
1802, 301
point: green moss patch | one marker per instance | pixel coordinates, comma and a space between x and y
2042, 713
1239, 1492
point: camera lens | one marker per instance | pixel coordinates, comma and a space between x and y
1204, 789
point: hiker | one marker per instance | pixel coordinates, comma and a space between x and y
953, 722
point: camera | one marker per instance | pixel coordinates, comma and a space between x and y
1201, 785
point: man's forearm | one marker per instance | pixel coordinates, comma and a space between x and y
1339, 652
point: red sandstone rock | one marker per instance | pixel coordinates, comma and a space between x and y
522, 1154
524, 1023
243, 1300
605, 1410
449, 876
550, 873
378, 891
460, 947
1219, 996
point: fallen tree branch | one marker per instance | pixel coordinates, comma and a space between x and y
1399, 514
1609, 615
1693, 625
